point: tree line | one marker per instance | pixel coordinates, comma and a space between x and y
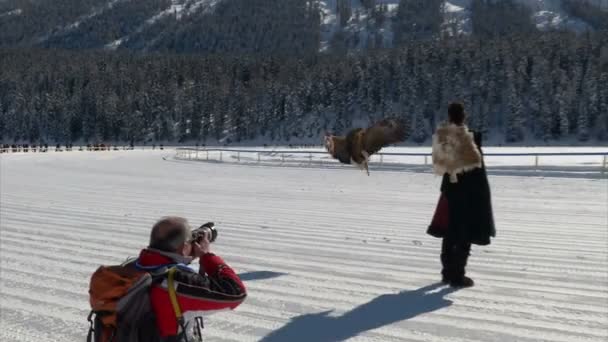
542, 86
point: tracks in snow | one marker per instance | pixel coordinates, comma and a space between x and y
342, 242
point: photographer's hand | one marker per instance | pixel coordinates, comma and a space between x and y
201, 247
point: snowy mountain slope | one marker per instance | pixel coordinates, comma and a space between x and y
178, 8
74, 25
320, 263
547, 14
360, 22
110, 23
457, 17
16, 11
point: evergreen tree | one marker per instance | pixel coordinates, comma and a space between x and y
514, 120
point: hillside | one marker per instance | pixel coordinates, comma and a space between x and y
546, 87
236, 71
265, 26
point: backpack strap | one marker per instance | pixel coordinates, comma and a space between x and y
173, 294
173, 297
96, 332
91, 327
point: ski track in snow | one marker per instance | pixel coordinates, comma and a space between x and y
348, 251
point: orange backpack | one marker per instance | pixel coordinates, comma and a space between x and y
120, 304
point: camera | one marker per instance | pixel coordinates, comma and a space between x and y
198, 234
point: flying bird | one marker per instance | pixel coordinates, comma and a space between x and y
359, 144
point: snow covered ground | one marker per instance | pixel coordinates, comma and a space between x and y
328, 254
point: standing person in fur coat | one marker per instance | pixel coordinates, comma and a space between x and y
464, 213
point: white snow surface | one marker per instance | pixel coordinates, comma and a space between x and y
327, 254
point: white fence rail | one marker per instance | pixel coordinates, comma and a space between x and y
579, 161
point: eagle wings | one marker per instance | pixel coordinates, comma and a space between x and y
359, 144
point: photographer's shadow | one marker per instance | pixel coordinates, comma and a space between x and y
383, 310
260, 275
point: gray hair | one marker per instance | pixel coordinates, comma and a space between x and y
169, 233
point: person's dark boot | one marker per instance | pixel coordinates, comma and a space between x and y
446, 257
460, 256
462, 282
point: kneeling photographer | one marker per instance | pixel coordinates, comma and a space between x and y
214, 287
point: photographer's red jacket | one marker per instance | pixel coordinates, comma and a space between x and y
216, 287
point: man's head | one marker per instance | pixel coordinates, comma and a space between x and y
172, 234
456, 114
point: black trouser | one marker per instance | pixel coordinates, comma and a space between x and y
454, 256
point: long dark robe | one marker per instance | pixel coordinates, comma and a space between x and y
469, 207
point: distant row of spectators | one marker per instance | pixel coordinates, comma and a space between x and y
6, 148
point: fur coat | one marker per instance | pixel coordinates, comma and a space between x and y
465, 213
454, 151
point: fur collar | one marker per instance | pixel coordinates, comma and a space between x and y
454, 151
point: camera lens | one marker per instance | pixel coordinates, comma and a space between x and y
209, 229
211, 233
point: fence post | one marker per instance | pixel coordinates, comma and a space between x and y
381, 159
282, 157
426, 160
197, 153
238, 157
258, 157
605, 163
207, 157
536, 163
221, 155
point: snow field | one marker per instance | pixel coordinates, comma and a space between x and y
327, 254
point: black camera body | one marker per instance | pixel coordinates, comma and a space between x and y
198, 234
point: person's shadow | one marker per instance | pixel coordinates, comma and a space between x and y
260, 275
381, 311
